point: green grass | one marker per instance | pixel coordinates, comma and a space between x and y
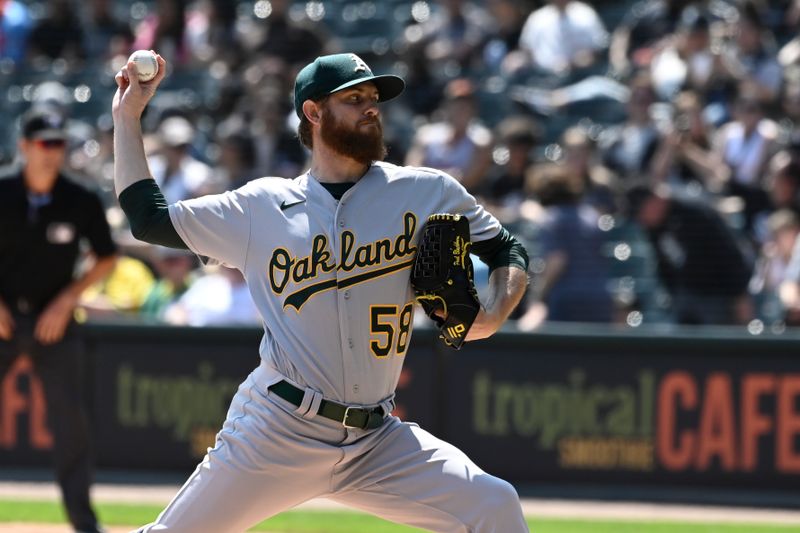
351, 522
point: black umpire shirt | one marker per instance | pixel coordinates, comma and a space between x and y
40, 239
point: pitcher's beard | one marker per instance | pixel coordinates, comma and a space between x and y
362, 146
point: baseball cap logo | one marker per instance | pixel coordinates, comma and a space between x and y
360, 65
331, 73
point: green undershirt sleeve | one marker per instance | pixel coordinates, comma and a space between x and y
502, 250
147, 212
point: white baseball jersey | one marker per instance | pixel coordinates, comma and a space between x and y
330, 278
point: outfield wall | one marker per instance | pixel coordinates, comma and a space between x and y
680, 408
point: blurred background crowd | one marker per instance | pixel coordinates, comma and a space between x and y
646, 152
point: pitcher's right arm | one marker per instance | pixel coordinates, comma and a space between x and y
139, 196
130, 100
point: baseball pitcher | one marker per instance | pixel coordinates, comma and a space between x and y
327, 257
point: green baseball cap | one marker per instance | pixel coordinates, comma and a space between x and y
328, 74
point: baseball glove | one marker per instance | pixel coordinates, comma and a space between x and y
442, 277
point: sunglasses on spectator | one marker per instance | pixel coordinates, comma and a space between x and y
50, 144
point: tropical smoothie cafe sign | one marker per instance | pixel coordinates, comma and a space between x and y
573, 415
674, 422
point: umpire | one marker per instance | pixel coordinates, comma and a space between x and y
44, 216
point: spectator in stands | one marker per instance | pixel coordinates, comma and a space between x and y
445, 44
789, 54
95, 159
581, 159
563, 37
783, 189
290, 42
573, 287
211, 33
459, 145
783, 181
741, 152
423, 84
650, 24
751, 59
218, 298
451, 39
164, 29
54, 94
105, 35
647, 24
121, 293
44, 217
175, 269
628, 149
687, 61
277, 151
257, 121
790, 104
237, 159
509, 17
772, 265
179, 174
504, 188
59, 35
789, 291
684, 158
700, 262
15, 26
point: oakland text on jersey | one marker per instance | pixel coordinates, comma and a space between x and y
284, 267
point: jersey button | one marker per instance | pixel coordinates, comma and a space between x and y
350, 343
346, 295
341, 223
355, 389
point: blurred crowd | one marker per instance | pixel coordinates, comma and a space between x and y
646, 152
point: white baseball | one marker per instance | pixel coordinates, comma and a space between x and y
146, 64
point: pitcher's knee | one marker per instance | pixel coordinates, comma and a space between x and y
500, 496
498, 509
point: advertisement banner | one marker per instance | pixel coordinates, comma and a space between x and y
649, 410
25, 438
164, 394
627, 413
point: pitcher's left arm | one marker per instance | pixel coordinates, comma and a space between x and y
508, 277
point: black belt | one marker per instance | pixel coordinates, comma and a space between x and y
349, 417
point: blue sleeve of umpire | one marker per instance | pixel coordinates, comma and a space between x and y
502, 250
